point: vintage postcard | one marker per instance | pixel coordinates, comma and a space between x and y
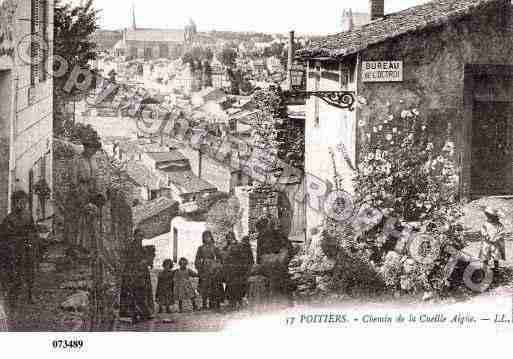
249, 167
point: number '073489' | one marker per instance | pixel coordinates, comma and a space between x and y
68, 344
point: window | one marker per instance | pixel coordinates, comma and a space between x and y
147, 52
133, 52
344, 76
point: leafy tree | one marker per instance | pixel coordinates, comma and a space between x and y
276, 49
207, 74
235, 77
208, 54
245, 86
228, 56
198, 55
187, 58
74, 26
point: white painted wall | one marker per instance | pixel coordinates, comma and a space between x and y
335, 127
34, 107
188, 240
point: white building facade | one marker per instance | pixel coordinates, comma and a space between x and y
26, 100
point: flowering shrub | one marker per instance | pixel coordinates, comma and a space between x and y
404, 173
408, 176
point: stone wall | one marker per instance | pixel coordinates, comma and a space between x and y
254, 205
116, 218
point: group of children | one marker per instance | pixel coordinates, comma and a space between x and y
175, 285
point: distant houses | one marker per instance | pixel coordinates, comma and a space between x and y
165, 173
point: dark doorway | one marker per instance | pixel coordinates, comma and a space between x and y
285, 214
5, 127
175, 245
491, 169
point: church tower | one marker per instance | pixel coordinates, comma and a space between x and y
134, 26
347, 20
190, 32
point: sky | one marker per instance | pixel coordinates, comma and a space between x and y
270, 16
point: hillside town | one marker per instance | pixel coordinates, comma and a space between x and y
160, 179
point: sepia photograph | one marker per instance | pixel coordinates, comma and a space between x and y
201, 166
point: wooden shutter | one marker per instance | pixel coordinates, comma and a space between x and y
43, 33
34, 45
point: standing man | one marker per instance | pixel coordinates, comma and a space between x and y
208, 263
269, 240
18, 249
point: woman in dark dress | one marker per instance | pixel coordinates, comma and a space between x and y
237, 266
208, 263
230, 240
248, 258
18, 250
136, 287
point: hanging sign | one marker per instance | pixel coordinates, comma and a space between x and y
382, 71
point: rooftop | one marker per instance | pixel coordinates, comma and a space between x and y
188, 182
141, 144
170, 156
157, 35
152, 208
247, 117
417, 18
141, 175
212, 94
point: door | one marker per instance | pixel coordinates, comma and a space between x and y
285, 214
31, 192
5, 115
175, 245
491, 168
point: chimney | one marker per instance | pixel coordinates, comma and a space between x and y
290, 59
377, 9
